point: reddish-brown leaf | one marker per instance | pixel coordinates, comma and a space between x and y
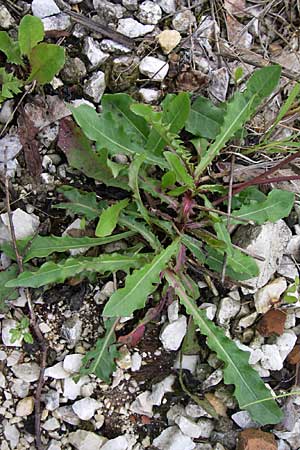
272, 323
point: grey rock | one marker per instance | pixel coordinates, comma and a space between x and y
286, 343
20, 388
95, 86
57, 372
6, 108
149, 13
107, 11
195, 411
173, 439
206, 427
72, 363
282, 445
271, 359
131, 5
85, 408
86, 440
228, 308
25, 407
51, 400
51, 424
142, 404
132, 28
173, 309
92, 50
74, 70
269, 241
154, 68
219, 84
292, 437
2, 381
66, 414
213, 379
12, 434
136, 362
210, 309
7, 326
168, 6
48, 135
149, 95
119, 443
265, 296
109, 46
173, 333
25, 225
72, 389
188, 427
293, 247
287, 268
6, 19
43, 115
187, 362
106, 291
71, 330
59, 22
10, 147
243, 420
44, 8
174, 413
183, 21
28, 372
160, 389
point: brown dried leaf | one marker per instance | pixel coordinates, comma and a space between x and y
235, 7
294, 357
272, 323
27, 134
252, 439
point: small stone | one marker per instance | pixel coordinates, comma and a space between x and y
173, 333
6, 19
72, 363
20, 388
132, 28
154, 68
168, 6
124, 360
136, 362
210, 310
29, 372
131, 5
51, 424
269, 241
188, 427
173, 309
25, 407
108, 11
286, 343
71, 330
51, 400
44, 8
86, 440
271, 359
66, 414
7, 326
85, 408
54, 445
7, 108
206, 426
72, 389
287, 268
106, 291
59, 22
57, 372
252, 439
293, 247
243, 420
247, 321
2, 381
92, 50
168, 40
12, 434
195, 411
160, 389
149, 13
142, 404
265, 297
213, 379
119, 443
273, 322
183, 21
173, 439
25, 225
109, 46
149, 95
228, 308
187, 362
73, 71
95, 86
219, 84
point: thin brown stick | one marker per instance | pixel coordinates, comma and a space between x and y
33, 323
223, 273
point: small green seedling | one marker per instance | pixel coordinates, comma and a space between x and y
28, 54
21, 332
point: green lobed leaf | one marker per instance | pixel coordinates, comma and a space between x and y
175, 112
10, 48
84, 203
176, 165
141, 228
43, 246
204, 119
100, 361
51, 272
109, 133
239, 266
10, 85
250, 391
30, 33
133, 175
109, 218
139, 285
7, 293
80, 155
277, 205
46, 60
240, 108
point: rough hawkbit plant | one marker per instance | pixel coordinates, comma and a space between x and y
168, 214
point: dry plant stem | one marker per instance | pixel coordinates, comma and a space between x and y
34, 325
263, 178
